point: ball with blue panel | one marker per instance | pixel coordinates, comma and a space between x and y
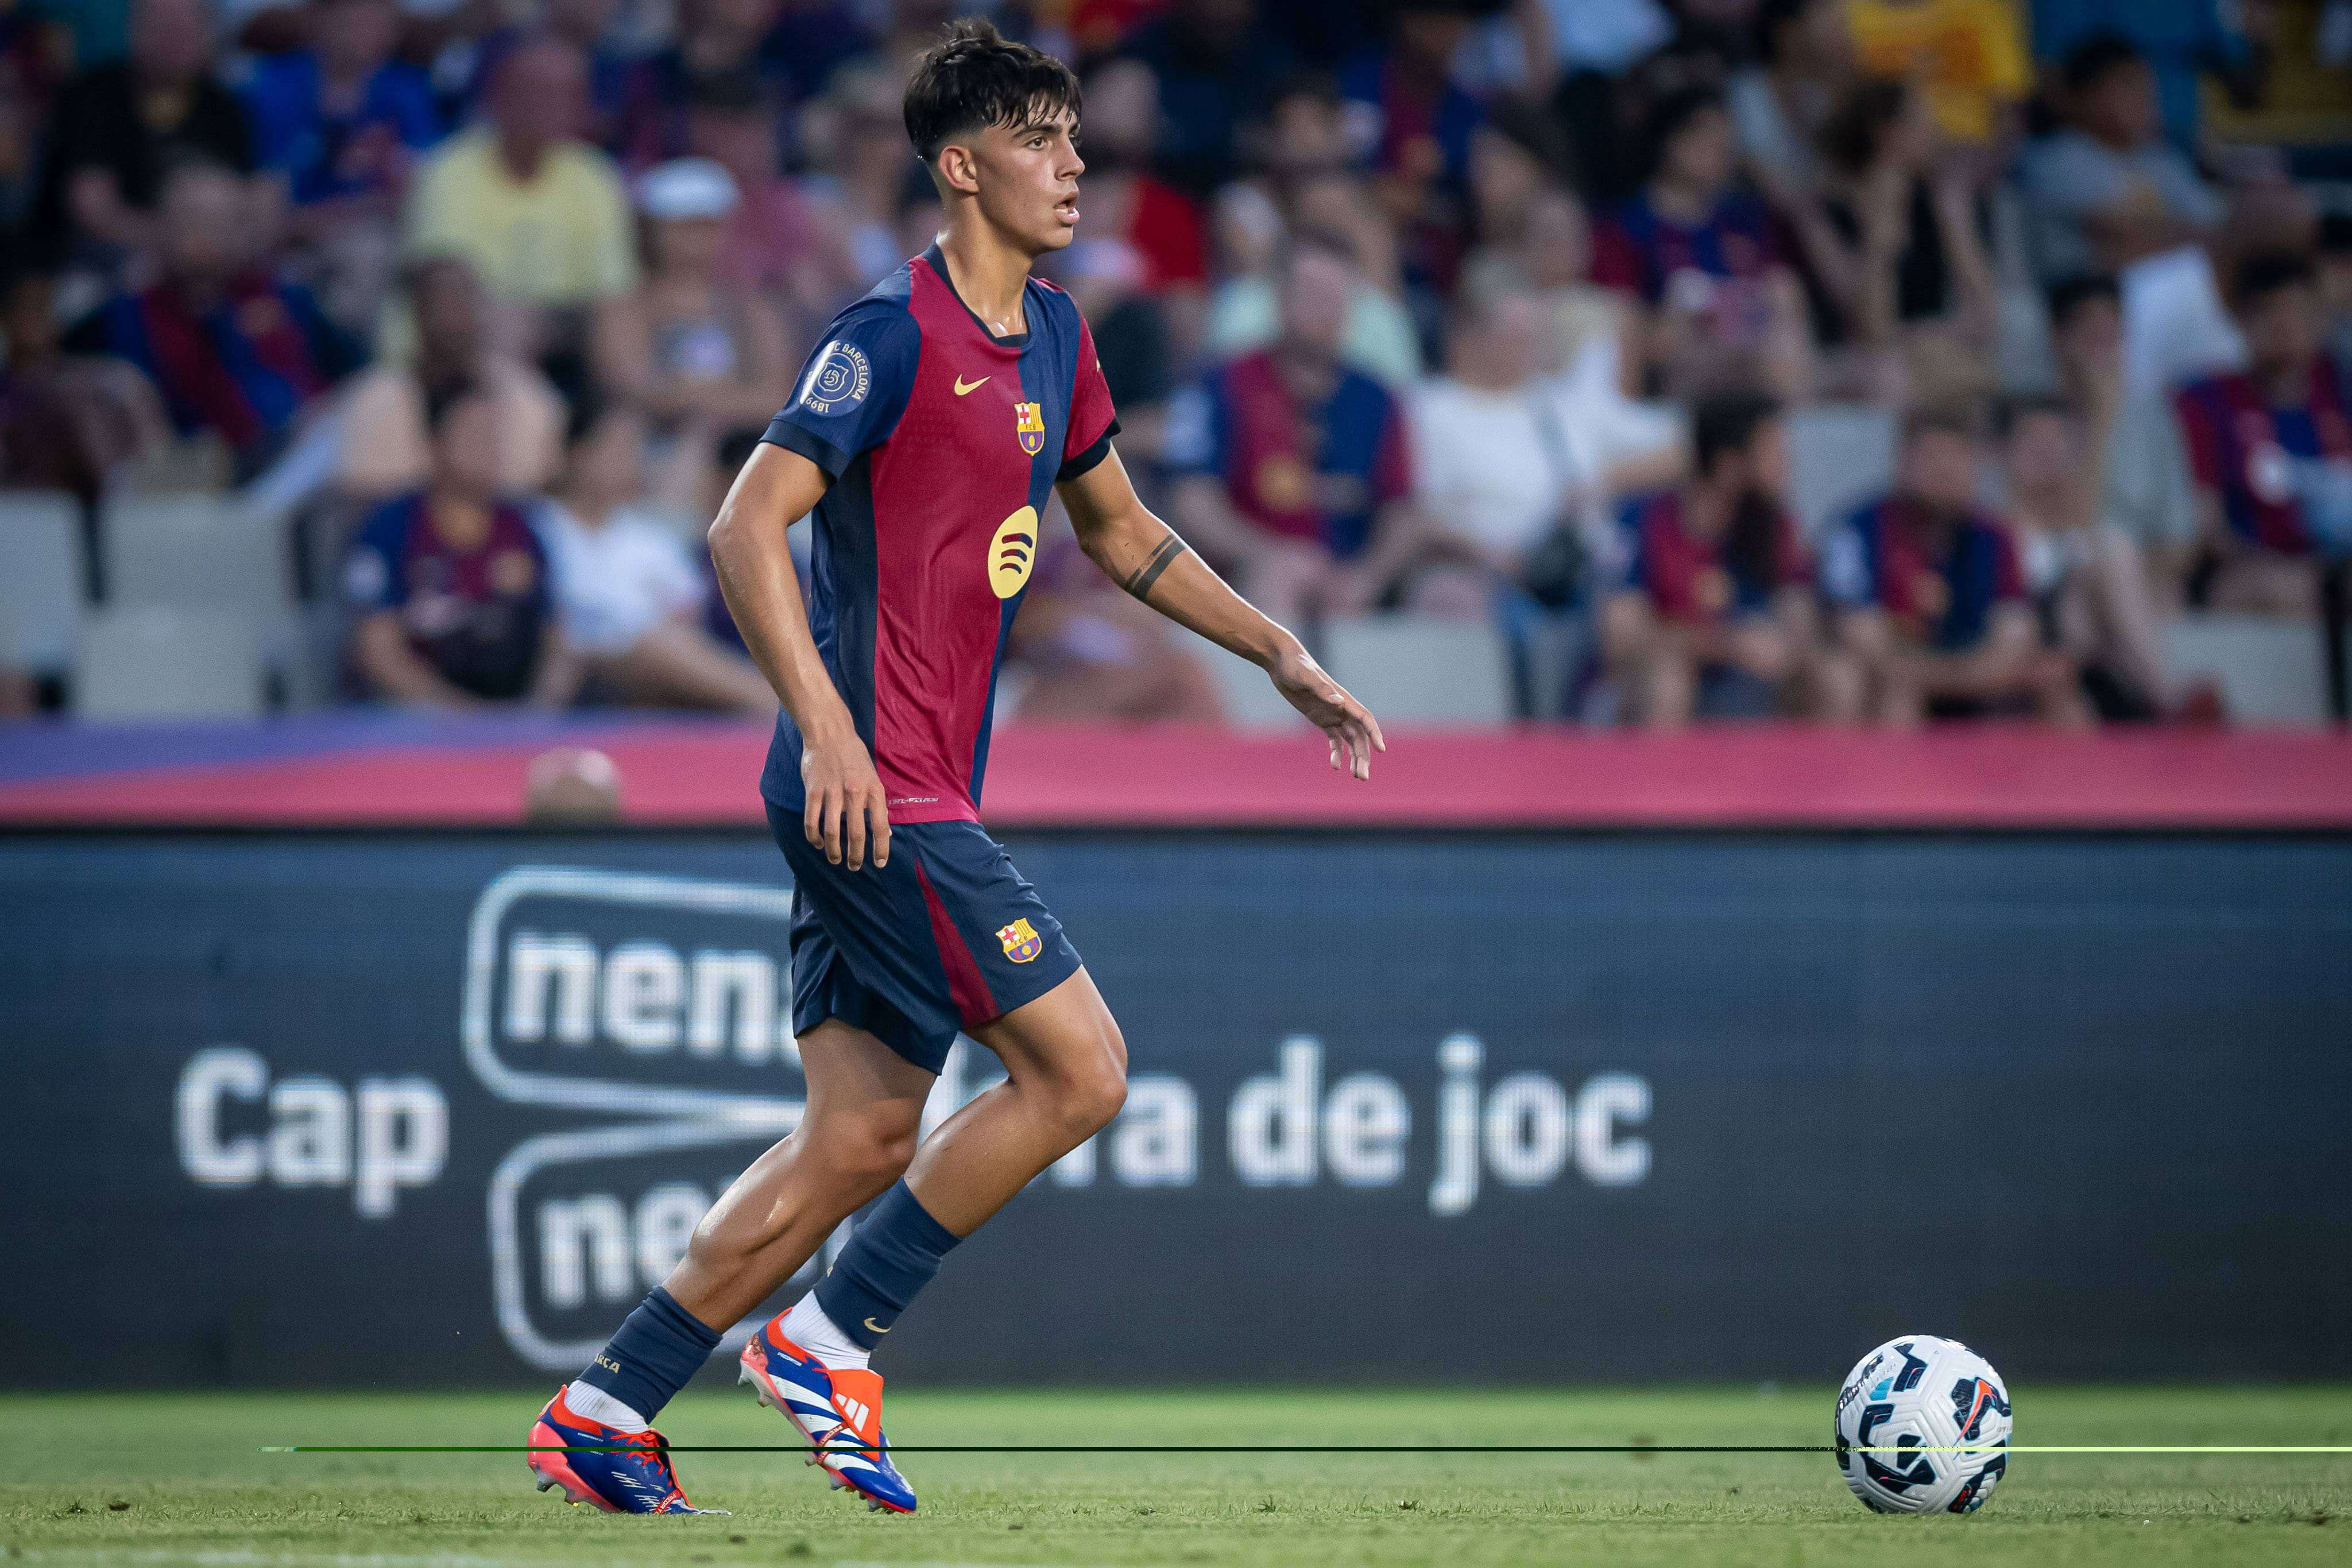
1923, 1426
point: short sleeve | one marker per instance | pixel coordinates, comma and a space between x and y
854, 387
372, 577
1093, 422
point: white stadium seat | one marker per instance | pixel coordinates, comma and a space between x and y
156, 660
199, 550
1840, 455
40, 583
2269, 671
1419, 669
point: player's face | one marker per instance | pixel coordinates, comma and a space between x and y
1028, 177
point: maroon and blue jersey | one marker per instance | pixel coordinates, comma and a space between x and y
1694, 579
1320, 471
2248, 453
1639, 249
475, 611
944, 442
242, 364
1938, 581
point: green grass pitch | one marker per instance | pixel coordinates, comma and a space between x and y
133, 1478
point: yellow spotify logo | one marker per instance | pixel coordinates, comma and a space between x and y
1013, 553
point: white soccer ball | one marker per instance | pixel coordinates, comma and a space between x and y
1935, 1394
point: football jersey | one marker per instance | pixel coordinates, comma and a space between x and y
1940, 586
1693, 580
943, 441
2253, 454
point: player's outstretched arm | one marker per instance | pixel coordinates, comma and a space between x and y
846, 810
1145, 557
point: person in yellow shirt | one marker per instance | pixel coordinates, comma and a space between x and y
1968, 56
539, 214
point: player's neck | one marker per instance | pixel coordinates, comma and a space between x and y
989, 276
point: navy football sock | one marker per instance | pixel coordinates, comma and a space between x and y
659, 1346
891, 1255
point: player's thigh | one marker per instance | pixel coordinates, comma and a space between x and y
854, 1078
1065, 1038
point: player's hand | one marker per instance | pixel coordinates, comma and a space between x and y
1355, 732
846, 812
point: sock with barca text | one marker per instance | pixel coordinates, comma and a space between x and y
657, 1349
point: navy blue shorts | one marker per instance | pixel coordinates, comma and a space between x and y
945, 937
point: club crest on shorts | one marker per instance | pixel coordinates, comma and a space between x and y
1020, 941
1029, 424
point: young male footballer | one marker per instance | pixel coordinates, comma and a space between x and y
925, 433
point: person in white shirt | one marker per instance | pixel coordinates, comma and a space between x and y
629, 595
1504, 458
1513, 469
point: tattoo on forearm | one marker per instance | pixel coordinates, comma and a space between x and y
1139, 582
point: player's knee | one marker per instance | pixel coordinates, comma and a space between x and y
865, 1152
1092, 1095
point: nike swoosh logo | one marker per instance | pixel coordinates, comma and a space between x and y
961, 390
870, 1324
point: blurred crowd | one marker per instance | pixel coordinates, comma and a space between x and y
1514, 312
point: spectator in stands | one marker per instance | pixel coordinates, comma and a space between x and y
119, 127
1968, 56
1805, 68
385, 447
539, 214
1504, 461
2148, 496
1583, 334
1930, 598
629, 595
2088, 584
1127, 203
616, 76
1700, 259
448, 587
1424, 129
2107, 189
1295, 471
1379, 336
697, 353
2271, 448
813, 39
778, 241
66, 421
2183, 40
1219, 69
341, 124
715, 38
1899, 251
232, 348
1716, 618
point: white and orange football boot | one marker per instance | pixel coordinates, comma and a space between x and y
840, 1413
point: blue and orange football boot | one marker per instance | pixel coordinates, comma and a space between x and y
840, 1413
635, 1477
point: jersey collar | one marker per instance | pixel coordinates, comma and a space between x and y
1015, 340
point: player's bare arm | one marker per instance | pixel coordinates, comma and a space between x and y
847, 814
1146, 556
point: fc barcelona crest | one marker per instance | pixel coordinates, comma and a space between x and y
1021, 940
1029, 424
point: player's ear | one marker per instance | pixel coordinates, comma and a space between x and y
957, 170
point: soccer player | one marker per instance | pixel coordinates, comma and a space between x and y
925, 434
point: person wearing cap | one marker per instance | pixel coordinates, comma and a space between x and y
688, 346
